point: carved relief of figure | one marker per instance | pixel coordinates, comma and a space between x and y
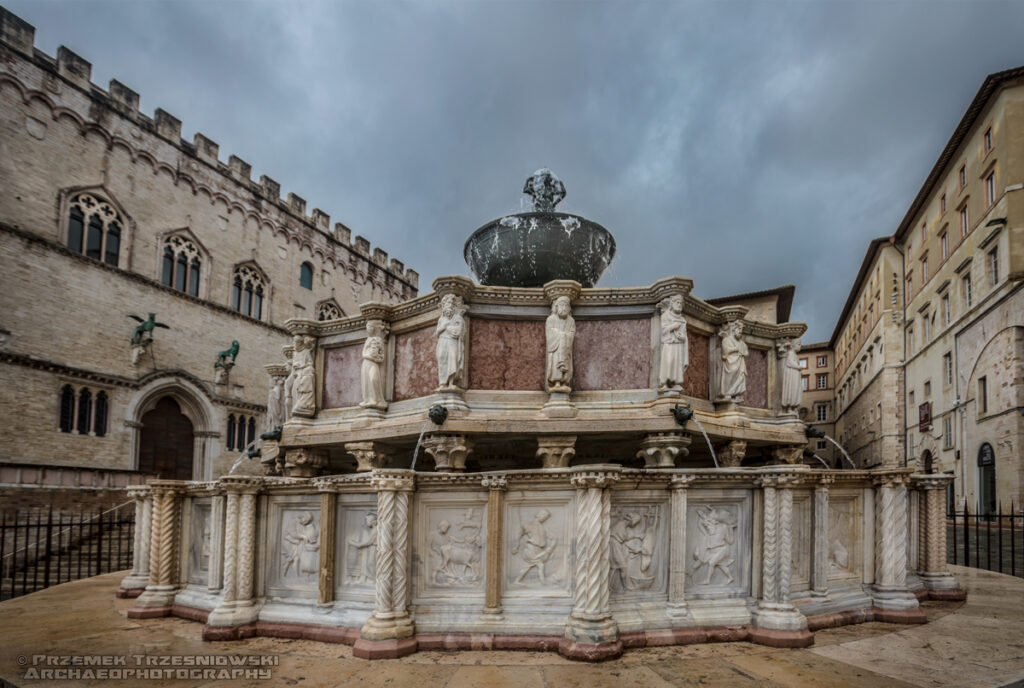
791, 384
457, 552
372, 372
200, 549
289, 384
304, 539
363, 553
560, 331
451, 335
734, 361
714, 544
838, 530
275, 407
536, 546
632, 547
675, 353
303, 394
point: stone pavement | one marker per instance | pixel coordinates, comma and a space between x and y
977, 643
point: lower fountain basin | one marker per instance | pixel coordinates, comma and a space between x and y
531, 249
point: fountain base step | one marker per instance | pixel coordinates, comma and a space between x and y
774, 638
384, 649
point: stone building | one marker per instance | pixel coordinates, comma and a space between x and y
930, 345
962, 241
868, 346
108, 213
817, 364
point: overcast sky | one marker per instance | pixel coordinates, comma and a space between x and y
744, 145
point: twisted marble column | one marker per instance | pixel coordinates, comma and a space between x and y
935, 572
591, 633
165, 533
238, 607
893, 601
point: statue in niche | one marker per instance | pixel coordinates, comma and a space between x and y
372, 372
289, 383
362, 554
451, 337
632, 548
734, 361
715, 537
457, 551
536, 546
792, 389
304, 385
275, 408
675, 353
560, 331
304, 538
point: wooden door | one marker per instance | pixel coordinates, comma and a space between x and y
165, 446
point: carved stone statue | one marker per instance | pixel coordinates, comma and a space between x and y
675, 353
733, 376
304, 385
451, 336
304, 539
560, 331
632, 548
535, 545
275, 403
372, 372
289, 382
792, 390
714, 544
546, 189
362, 566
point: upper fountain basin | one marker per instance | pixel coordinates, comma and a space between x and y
531, 249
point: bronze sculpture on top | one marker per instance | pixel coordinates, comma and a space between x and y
533, 248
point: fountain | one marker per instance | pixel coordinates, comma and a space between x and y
564, 505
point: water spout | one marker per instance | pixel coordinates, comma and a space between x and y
840, 448
244, 455
437, 414
706, 439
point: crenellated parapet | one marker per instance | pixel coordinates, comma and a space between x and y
63, 83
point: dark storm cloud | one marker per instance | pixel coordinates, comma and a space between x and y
743, 145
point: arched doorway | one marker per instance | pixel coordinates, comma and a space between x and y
927, 462
166, 442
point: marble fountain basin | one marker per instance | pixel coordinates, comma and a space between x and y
531, 249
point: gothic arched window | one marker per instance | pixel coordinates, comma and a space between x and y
84, 411
248, 291
99, 416
231, 431
182, 264
94, 228
306, 276
67, 408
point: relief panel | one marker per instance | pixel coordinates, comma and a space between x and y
538, 545
802, 540
718, 543
200, 541
450, 532
638, 545
845, 553
293, 563
355, 559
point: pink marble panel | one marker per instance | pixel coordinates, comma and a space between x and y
612, 354
696, 382
341, 376
757, 379
506, 354
415, 364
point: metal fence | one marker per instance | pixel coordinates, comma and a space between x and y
992, 540
40, 547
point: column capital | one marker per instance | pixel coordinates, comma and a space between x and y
164, 487
556, 451
393, 480
448, 451
823, 481
930, 481
242, 484
783, 480
494, 482
583, 479
681, 482
138, 492
891, 479
369, 455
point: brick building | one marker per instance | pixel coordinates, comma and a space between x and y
105, 213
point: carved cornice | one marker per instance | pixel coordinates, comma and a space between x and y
558, 288
376, 311
892, 479
681, 482
598, 477
494, 482
276, 369
138, 492
338, 483
930, 481
454, 284
670, 286
203, 489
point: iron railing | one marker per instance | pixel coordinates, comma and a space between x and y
987, 539
40, 547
